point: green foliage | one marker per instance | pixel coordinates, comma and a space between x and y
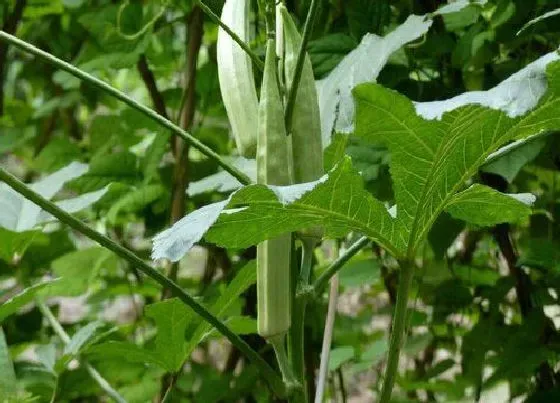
440, 142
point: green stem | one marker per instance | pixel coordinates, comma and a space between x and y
278, 343
296, 339
270, 17
54, 395
320, 284
96, 376
69, 68
308, 27
308, 247
268, 373
398, 331
208, 11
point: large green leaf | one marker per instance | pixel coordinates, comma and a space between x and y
257, 212
431, 160
338, 202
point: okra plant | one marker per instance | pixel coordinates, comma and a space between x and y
404, 153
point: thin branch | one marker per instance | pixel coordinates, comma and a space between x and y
69, 68
327, 339
150, 83
96, 376
523, 283
341, 383
208, 11
320, 284
292, 93
194, 33
523, 289
10, 26
268, 373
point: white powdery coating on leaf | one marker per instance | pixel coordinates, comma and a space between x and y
75, 204
515, 96
175, 242
361, 65
292, 193
393, 211
538, 19
526, 198
19, 214
223, 181
458, 6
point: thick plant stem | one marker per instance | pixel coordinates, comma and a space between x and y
96, 376
398, 330
162, 121
267, 372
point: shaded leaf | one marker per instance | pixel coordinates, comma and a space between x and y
135, 201
19, 214
78, 270
246, 277
484, 206
508, 161
23, 298
223, 181
8, 378
121, 350
171, 317
81, 338
359, 272
339, 356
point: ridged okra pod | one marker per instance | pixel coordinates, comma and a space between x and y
305, 138
307, 149
273, 156
235, 73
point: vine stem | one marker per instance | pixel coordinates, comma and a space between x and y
292, 92
267, 372
150, 113
96, 376
208, 11
399, 329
